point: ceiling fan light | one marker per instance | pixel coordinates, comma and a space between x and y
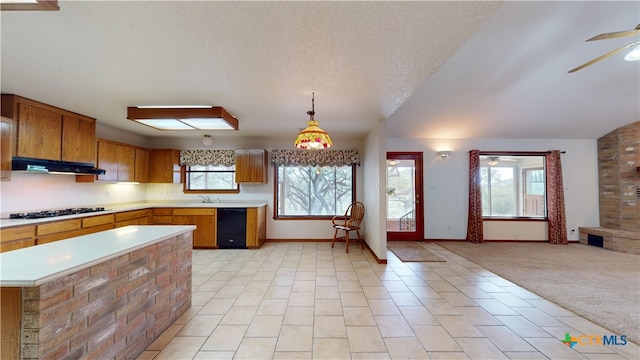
633, 55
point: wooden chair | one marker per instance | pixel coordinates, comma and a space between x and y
349, 222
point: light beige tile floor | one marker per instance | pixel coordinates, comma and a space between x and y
309, 301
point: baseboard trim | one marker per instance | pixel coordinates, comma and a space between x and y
501, 240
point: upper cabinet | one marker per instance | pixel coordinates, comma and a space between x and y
252, 166
165, 166
6, 148
119, 162
51, 133
78, 139
141, 170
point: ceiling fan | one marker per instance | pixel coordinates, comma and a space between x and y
613, 35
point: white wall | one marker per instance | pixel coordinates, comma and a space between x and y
446, 183
374, 194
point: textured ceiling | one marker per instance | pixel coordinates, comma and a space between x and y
434, 69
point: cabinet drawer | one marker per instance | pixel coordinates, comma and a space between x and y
15, 245
17, 233
130, 215
97, 220
58, 226
196, 211
162, 219
163, 211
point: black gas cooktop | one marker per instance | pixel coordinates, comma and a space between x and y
53, 213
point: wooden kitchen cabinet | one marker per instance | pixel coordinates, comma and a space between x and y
134, 217
78, 139
126, 162
58, 230
117, 159
48, 132
252, 166
256, 227
6, 147
164, 166
204, 237
17, 237
162, 216
141, 169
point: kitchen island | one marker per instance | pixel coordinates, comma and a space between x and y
104, 295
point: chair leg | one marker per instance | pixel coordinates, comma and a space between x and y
335, 235
346, 240
360, 239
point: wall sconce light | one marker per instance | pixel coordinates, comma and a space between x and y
207, 140
444, 154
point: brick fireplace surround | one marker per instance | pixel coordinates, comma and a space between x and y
619, 189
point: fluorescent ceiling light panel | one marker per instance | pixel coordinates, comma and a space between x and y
165, 124
208, 124
181, 117
27, 5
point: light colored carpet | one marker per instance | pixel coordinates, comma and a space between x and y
412, 251
600, 285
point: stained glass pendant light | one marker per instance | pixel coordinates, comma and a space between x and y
313, 137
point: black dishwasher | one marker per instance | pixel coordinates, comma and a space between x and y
232, 228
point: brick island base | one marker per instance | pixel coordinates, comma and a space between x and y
114, 309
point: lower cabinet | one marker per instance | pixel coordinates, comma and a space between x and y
134, 217
256, 226
17, 237
204, 237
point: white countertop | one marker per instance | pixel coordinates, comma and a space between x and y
110, 209
35, 265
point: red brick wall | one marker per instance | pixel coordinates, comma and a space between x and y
112, 310
618, 179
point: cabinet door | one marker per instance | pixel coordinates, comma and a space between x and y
141, 172
78, 139
108, 160
6, 141
126, 162
205, 234
39, 132
164, 166
251, 166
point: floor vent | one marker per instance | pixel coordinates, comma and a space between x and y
595, 240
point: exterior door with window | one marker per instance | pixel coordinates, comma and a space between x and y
405, 220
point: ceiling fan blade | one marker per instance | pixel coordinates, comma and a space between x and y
610, 53
617, 34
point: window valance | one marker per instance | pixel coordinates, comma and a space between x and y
207, 157
315, 158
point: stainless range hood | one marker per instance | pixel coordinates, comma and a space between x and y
53, 167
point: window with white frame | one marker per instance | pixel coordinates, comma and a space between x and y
513, 186
210, 178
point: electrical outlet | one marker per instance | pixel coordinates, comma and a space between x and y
107, 194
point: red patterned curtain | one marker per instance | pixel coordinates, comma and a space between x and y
555, 199
474, 222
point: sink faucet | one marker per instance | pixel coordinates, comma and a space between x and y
205, 199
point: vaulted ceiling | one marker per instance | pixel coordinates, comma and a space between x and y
436, 69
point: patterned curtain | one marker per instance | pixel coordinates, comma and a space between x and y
207, 157
315, 158
555, 199
474, 222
